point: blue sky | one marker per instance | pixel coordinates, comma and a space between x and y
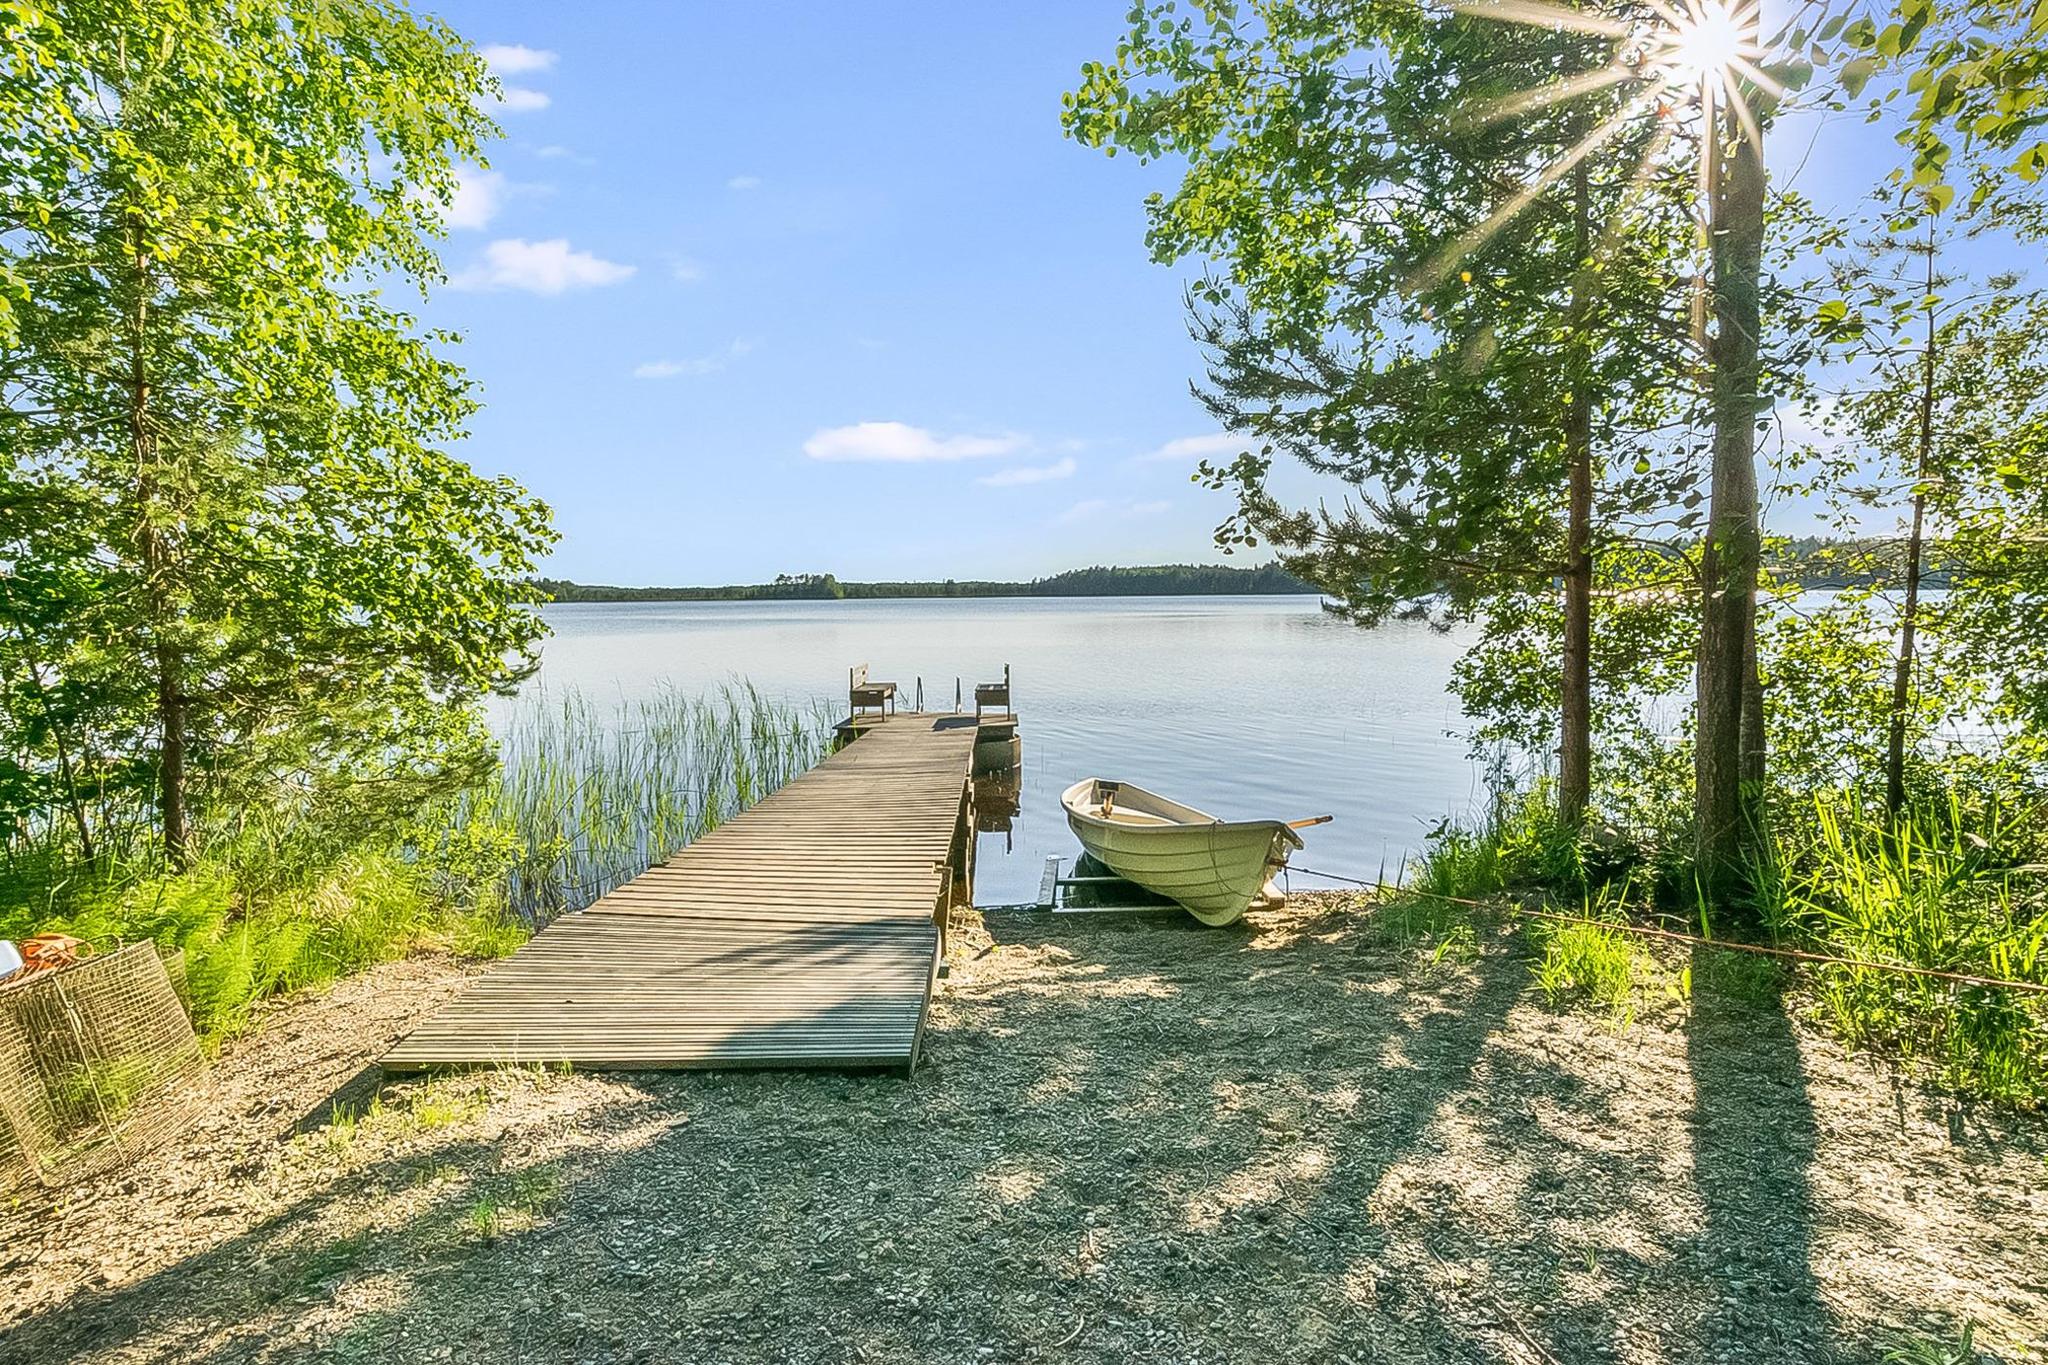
752, 289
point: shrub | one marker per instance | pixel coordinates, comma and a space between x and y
1522, 845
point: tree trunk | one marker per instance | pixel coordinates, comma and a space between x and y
1909, 611
1575, 722
1751, 801
1902, 676
158, 602
1728, 767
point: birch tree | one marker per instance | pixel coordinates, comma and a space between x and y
219, 425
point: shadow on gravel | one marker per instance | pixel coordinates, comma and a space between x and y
278, 1262
1753, 1141
352, 1093
1283, 1143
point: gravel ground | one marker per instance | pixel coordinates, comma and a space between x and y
1132, 1141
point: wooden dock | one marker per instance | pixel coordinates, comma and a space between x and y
803, 932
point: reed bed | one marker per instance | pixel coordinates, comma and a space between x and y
589, 797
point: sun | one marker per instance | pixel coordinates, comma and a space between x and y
1707, 42
1681, 65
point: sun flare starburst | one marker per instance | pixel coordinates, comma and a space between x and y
1708, 43
1686, 63
1704, 44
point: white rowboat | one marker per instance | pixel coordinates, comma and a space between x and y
1213, 868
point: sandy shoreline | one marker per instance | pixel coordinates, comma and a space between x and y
1132, 1141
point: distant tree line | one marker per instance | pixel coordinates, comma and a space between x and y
1148, 580
1804, 561
1863, 562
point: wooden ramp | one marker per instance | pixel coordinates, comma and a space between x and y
801, 933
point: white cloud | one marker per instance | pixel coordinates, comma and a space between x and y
479, 194
1010, 478
744, 182
555, 151
549, 267
897, 442
1220, 445
685, 270
698, 365
1147, 509
518, 99
514, 59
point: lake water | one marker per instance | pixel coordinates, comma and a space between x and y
1243, 706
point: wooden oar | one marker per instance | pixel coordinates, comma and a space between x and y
1312, 820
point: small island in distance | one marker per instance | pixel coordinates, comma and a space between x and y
1147, 580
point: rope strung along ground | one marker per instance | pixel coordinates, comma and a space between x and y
1674, 936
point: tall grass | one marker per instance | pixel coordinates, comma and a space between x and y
1588, 962
242, 945
584, 799
1519, 844
1956, 887
1927, 891
587, 799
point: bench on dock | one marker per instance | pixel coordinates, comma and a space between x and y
862, 695
995, 695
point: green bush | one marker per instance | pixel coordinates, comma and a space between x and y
1522, 846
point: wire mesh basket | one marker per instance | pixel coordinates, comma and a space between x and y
97, 1061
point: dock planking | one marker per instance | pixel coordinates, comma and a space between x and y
803, 932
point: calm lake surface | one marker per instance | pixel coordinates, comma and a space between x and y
1242, 706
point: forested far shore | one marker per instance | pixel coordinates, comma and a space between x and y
1147, 580
1810, 562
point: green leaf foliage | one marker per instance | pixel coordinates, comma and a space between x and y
1938, 394
1974, 73
230, 522
1430, 235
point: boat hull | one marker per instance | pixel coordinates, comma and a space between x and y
1213, 868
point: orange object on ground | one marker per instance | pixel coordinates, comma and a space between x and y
47, 952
